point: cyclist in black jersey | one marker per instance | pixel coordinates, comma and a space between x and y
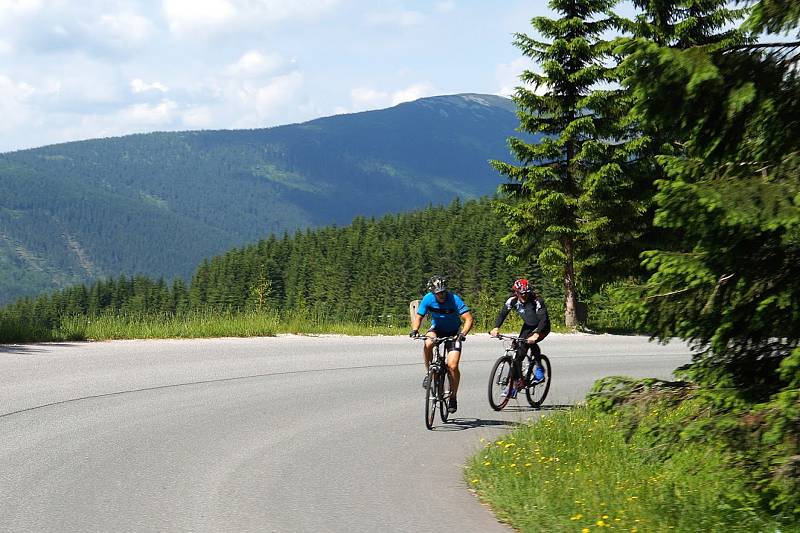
535, 327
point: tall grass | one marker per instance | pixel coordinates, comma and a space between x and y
212, 323
199, 324
574, 471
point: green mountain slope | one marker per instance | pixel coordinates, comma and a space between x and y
157, 204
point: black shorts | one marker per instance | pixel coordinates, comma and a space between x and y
451, 345
522, 350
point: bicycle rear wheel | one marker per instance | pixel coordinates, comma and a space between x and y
430, 397
443, 412
500, 382
537, 392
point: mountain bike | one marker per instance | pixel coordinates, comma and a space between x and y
501, 388
436, 395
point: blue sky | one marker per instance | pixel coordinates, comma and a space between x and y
98, 68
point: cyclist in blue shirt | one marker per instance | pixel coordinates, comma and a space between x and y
447, 310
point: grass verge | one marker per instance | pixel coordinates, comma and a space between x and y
191, 325
575, 471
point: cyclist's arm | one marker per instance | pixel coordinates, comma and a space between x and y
544, 319
467, 325
542, 327
422, 310
501, 317
416, 322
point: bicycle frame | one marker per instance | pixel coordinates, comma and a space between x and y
501, 387
435, 395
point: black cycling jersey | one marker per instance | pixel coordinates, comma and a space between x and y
535, 320
533, 313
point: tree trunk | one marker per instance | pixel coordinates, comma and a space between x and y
570, 294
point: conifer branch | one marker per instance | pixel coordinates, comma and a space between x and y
672, 293
792, 44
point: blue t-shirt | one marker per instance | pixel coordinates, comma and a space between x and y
445, 316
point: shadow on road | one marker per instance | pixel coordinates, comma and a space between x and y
32, 348
461, 424
527, 409
561, 407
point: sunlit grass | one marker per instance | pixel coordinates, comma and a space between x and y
211, 323
201, 324
573, 471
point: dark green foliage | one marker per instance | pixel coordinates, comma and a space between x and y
758, 440
729, 279
158, 204
579, 200
366, 272
732, 194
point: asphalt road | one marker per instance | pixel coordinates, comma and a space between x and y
283, 434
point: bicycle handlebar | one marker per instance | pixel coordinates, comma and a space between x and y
513, 338
510, 337
437, 340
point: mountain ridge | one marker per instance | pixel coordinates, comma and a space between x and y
158, 203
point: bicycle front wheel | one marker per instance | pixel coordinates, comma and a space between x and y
444, 377
537, 390
430, 398
500, 382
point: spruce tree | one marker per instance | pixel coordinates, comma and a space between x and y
731, 190
578, 200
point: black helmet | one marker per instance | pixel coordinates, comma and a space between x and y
437, 284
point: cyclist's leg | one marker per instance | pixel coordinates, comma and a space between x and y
539, 374
536, 352
453, 357
427, 354
522, 351
453, 349
427, 349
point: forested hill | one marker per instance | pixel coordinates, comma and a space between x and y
367, 272
158, 204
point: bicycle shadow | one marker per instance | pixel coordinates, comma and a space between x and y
520, 408
463, 424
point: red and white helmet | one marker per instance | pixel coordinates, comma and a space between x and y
521, 286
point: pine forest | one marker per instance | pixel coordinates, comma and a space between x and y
366, 272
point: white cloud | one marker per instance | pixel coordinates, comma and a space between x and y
139, 86
364, 98
124, 30
75, 70
269, 98
186, 17
507, 75
151, 115
15, 8
413, 92
197, 118
94, 27
79, 84
254, 64
14, 97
